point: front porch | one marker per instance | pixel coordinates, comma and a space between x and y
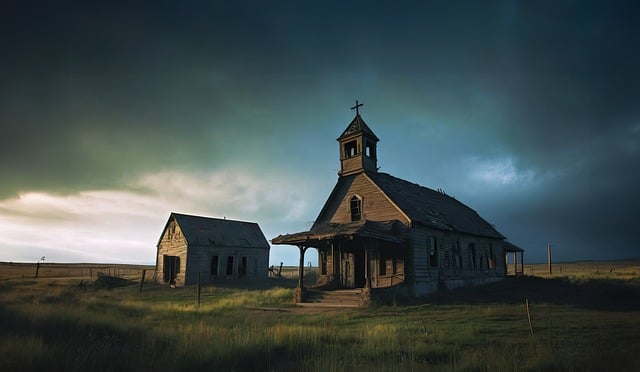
367, 257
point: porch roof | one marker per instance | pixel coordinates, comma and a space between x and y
392, 231
510, 247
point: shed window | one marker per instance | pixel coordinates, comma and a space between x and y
242, 268
356, 208
214, 265
230, 265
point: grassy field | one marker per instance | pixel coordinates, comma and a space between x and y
586, 317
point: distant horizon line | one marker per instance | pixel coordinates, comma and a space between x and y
153, 264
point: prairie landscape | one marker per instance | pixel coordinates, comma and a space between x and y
585, 316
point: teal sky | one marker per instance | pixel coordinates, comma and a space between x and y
115, 114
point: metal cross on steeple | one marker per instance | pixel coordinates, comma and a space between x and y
357, 106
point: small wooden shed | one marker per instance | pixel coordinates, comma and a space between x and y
217, 249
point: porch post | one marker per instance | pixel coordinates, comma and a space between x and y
515, 263
367, 279
301, 266
522, 262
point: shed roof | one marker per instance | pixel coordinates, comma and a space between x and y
200, 230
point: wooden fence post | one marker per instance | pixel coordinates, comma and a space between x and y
198, 292
144, 273
526, 302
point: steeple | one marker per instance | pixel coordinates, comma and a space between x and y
357, 147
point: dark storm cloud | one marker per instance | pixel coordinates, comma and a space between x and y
94, 94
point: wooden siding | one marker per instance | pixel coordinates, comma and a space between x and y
172, 243
375, 205
425, 278
196, 259
201, 257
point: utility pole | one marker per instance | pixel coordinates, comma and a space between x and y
549, 257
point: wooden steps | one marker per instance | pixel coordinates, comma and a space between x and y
335, 298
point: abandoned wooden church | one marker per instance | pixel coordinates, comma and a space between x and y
382, 234
217, 249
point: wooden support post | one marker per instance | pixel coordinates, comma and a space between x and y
144, 273
367, 279
549, 257
522, 262
301, 266
515, 263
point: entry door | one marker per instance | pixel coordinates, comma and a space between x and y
348, 272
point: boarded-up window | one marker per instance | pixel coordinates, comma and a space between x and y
214, 265
230, 265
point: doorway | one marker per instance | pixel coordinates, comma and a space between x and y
171, 266
352, 275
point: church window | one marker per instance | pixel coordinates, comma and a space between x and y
370, 150
356, 208
433, 250
323, 262
472, 256
350, 149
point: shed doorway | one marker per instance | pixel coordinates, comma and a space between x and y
171, 266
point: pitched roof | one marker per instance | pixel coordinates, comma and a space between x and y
358, 126
222, 232
432, 208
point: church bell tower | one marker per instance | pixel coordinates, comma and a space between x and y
357, 147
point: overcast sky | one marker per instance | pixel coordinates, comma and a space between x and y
114, 115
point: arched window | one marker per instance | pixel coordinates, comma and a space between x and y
356, 208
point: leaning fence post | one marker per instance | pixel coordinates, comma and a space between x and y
144, 272
526, 301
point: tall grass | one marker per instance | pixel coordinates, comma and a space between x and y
55, 325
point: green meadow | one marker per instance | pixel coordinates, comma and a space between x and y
586, 317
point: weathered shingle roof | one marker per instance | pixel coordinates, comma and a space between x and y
356, 126
221, 232
392, 231
432, 208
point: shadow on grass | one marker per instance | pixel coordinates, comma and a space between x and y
597, 294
